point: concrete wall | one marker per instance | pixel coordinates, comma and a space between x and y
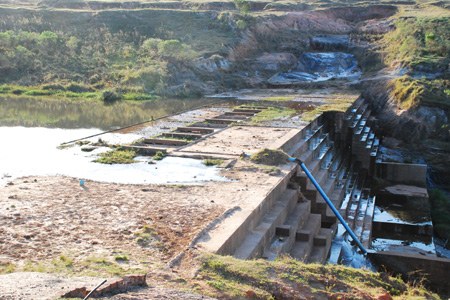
435, 270
414, 174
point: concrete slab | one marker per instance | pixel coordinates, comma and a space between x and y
248, 139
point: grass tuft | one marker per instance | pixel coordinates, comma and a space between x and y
212, 162
117, 156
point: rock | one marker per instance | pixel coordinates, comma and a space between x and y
385, 296
330, 42
212, 64
276, 61
88, 148
320, 66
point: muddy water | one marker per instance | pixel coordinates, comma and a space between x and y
32, 129
69, 114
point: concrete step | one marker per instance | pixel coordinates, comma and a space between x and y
304, 238
321, 248
249, 110
336, 245
200, 130
182, 135
146, 150
231, 117
285, 234
366, 235
210, 125
258, 238
168, 142
221, 121
303, 145
240, 113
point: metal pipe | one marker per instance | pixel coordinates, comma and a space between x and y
90, 293
330, 204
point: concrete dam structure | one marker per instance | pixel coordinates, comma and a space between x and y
385, 204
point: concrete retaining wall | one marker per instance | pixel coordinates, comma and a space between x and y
415, 267
252, 220
414, 174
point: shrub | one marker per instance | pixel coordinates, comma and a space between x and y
110, 97
53, 87
242, 5
78, 88
117, 157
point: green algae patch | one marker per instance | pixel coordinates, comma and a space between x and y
287, 278
270, 157
117, 156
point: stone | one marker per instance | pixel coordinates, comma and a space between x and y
277, 61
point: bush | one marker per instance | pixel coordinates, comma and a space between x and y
53, 87
242, 5
38, 93
78, 88
110, 97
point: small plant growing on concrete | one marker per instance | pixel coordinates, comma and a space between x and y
270, 157
212, 162
117, 156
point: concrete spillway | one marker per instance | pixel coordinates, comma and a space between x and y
340, 150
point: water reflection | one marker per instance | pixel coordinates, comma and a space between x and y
75, 113
36, 153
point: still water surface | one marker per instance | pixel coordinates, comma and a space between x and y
32, 129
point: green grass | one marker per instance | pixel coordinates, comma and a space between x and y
121, 258
278, 98
212, 162
272, 113
270, 157
289, 278
7, 268
440, 212
117, 156
148, 237
410, 92
118, 265
159, 155
338, 104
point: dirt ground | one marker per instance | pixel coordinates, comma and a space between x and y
53, 225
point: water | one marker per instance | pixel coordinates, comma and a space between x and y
76, 113
28, 150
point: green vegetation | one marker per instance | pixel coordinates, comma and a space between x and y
440, 212
117, 156
132, 55
147, 236
159, 155
212, 162
121, 258
272, 113
338, 104
90, 266
7, 267
279, 98
412, 92
419, 43
290, 278
270, 157
242, 5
